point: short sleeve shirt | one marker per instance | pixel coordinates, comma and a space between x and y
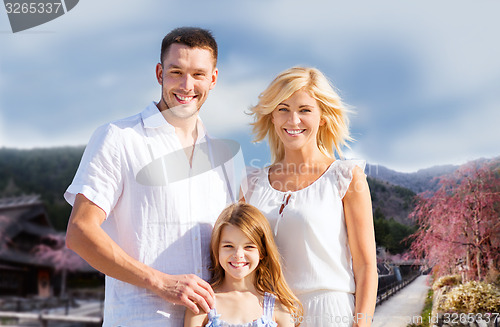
159, 209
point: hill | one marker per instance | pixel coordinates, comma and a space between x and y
423, 180
49, 171
420, 181
46, 172
391, 201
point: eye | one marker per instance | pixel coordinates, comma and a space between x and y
250, 247
283, 109
305, 110
175, 72
227, 246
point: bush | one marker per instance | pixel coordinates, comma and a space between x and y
448, 280
472, 297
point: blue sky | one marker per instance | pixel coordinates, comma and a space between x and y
422, 76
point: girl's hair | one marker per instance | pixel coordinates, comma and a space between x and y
335, 131
268, 274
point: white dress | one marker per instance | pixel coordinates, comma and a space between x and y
311, 235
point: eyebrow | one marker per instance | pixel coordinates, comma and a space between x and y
248, 243
198, 69
301, 106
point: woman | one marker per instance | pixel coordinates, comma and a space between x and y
319, 207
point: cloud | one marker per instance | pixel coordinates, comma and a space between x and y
414, 71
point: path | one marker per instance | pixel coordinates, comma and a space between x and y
403, 307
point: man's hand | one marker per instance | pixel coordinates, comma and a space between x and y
188, 290
86, 237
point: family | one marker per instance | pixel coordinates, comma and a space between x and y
296, 247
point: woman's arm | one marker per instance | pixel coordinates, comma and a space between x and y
195, 320
360, 231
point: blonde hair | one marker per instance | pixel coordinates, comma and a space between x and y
268, 274
335, 131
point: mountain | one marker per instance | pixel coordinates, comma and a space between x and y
45, 172
391, 201
420, 181
49, 171
424, 179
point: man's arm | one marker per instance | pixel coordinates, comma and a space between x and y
86, 237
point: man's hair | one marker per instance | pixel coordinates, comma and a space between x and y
193, 37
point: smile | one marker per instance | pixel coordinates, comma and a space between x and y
184, 98
238, 264
294, 131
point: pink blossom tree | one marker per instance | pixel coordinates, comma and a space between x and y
459, 225
54, 250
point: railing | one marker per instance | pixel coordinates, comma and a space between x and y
391, 289
45, 318
15, 310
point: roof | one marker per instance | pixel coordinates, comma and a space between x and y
24, 224
22, 217
24, 200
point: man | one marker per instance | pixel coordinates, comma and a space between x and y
143, 208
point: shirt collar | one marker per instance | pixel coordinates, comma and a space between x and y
153, 118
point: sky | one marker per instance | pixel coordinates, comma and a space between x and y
422, 77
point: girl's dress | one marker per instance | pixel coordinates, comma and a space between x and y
265, 321
311, 235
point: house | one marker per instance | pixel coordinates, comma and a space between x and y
24, 225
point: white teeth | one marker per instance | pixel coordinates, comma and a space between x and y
294, 131
238, 265
184, 98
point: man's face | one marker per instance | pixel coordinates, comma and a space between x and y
186, 77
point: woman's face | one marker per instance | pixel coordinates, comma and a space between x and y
297, 120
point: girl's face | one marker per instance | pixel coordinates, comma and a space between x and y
297, 119
238, 255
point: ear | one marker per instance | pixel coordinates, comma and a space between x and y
159, 73
215, 74
322, 122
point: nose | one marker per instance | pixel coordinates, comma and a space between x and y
238, 253
187, 82
294, 118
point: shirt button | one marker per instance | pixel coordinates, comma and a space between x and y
198, 271
196, 238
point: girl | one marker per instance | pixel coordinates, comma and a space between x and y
319, 207
249, 286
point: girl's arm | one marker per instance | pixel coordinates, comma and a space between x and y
360, 231
195, 320
282, 317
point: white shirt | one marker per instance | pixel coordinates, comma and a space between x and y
310, 231
159, 210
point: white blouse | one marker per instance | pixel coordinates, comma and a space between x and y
309, 227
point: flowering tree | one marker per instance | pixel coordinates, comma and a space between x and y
54, 250
459, 225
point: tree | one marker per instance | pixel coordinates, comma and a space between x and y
54, 250
459, 225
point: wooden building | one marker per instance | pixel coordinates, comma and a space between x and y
24, 224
